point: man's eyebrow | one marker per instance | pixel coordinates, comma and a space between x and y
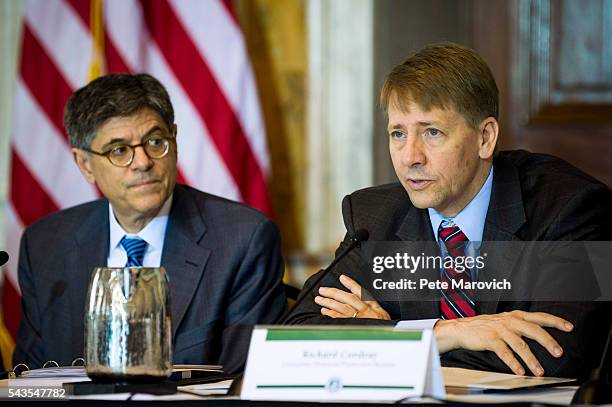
154, 129
427, 123
422, 123
113, 141
121, 140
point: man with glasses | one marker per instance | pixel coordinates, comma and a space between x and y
222, 258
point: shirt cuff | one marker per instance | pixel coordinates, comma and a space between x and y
418, 324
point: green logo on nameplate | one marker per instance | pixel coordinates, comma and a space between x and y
341, 335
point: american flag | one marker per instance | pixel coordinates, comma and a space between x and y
194, 47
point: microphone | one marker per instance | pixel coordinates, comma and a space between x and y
4, 257
361, 235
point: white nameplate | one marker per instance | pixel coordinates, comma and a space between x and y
341, 363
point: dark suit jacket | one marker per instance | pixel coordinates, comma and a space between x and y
535, 197
223, 262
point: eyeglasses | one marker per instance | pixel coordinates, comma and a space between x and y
122, 155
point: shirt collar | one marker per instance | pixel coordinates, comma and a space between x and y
471, 219
153, 233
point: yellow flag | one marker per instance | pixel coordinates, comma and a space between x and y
7, 345
96, 17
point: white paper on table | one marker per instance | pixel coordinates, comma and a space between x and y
45, 382
110, 396
165, 397
477, 379
207, 389
62, 371
557, 395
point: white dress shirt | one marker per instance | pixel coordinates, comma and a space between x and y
153, 233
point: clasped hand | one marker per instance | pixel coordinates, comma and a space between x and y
337, 303
500, 333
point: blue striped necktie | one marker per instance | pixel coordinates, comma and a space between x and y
135, 249
455, 303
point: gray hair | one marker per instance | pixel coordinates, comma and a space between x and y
116, 95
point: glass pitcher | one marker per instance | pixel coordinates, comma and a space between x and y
128, 334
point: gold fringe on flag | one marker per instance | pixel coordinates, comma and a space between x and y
7, 345
96, 22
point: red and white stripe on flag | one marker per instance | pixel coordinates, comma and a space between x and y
195, 48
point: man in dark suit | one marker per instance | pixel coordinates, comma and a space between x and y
456, 190
222, 258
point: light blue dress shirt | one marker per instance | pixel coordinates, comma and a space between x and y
472, 218
471, 221
153, 233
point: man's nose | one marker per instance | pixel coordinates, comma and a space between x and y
413, 153
141, 160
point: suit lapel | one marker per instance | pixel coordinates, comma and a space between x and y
506, 212
505, 217
90, 251
416, 229
182, 257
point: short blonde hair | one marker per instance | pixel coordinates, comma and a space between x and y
442, 76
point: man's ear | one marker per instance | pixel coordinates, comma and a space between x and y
83, 161
175, 132
489, 131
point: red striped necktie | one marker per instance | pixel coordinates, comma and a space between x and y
455, 302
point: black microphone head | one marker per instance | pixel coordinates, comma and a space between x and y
3, 257
361, 235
